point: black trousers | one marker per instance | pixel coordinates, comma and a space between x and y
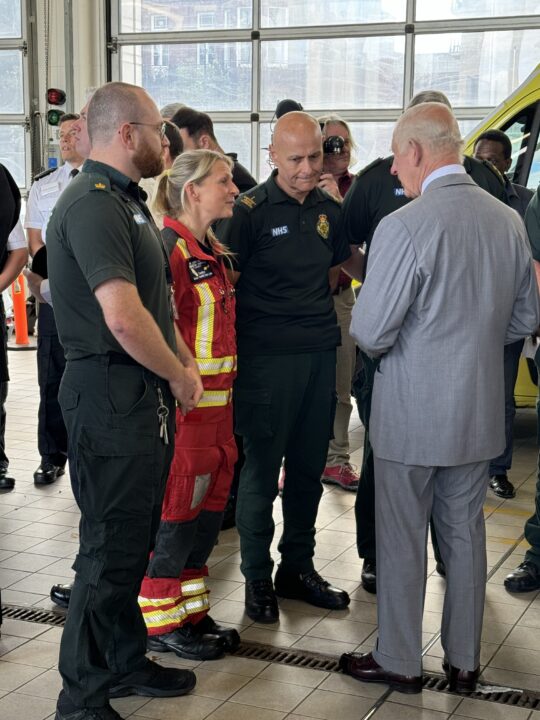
4, 381
121, 467
52, 435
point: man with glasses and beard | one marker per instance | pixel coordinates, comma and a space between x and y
108, 274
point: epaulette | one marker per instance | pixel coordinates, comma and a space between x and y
98, 182
250, 199
371, 165
43, 174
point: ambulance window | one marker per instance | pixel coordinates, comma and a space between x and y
534, 176
519, 133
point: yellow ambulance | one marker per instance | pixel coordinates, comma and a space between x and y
519, 117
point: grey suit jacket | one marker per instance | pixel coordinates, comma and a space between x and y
450, 280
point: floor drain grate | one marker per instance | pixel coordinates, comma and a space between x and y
491, 693
284, 656
43, 617
304, 659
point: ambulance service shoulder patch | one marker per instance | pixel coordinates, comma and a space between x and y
250, 202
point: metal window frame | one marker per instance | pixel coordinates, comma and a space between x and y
22, 44
409, 28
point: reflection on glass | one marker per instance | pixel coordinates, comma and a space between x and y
12, 154
291, 13
372, 140
167, 15
10, 12
206, 76
235, 138
11, 87
447, 9
475, 69
330, 74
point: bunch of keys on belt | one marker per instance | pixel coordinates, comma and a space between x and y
163, 414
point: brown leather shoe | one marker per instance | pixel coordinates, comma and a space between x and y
461, 681
366, 669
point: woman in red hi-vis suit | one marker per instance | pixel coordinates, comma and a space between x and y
197, 191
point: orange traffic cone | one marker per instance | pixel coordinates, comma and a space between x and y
19, 311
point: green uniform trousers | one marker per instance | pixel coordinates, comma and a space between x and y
110, 411
364, 509
284, 408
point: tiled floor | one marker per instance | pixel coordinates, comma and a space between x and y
38, 540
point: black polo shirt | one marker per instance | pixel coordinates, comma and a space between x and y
284, 250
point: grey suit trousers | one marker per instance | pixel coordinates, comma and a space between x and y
405, 496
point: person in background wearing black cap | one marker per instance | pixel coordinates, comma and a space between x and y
47, 188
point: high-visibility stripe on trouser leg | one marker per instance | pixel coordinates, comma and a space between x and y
164, 615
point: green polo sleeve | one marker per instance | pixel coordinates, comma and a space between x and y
532, 223
98, 232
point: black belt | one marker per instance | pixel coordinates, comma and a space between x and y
116, 358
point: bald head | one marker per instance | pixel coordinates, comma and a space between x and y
433, 126
296, 152
114, 104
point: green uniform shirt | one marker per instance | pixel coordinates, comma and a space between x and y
532, 223
375, 193
101, 229
284, 250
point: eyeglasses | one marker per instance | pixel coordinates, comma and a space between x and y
161, 128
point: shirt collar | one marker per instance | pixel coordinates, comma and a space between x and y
509, 187
115, 176
454, 169
277, 195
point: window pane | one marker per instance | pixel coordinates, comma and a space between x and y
12, 152
372, 141
290, 13
207, 76
10, 12
11, 87
534, 176
447, 9
328, 75
475, 69
178, 15
235, 138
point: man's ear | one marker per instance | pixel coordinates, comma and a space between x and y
127, 135
204, 142
417, 152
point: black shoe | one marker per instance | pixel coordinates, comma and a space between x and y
461, 681
154, 681
100, 713
261, 601
366, 669
525, 578
501, 486
369, 576
311, 588
440, 568
47, 473
6, 481
208, 627
60, 594
187, 643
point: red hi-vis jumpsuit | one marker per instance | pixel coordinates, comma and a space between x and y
173, 591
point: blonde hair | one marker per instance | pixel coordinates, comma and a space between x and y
192, 166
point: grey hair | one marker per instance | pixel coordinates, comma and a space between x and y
167, 111
335, 119
432, 125
429, 96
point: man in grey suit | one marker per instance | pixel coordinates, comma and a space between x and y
437, 308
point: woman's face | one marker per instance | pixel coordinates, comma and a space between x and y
217, 192
337, 164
